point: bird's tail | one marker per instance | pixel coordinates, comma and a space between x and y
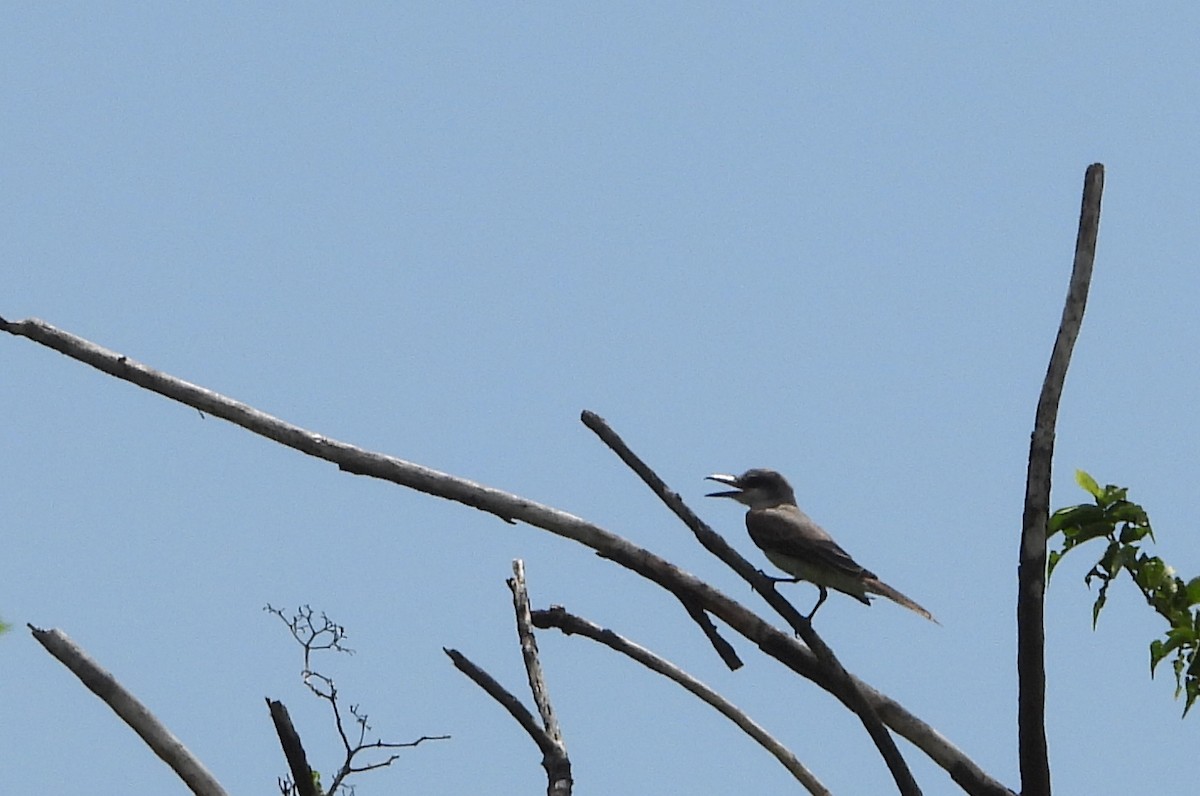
876, 586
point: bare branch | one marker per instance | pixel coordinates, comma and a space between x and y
558, 765
314, 636
362, 745
552, 754
569, 623
511, 507
311, 638
710, 539
293, 749
724, 649
1031, 572
765, 586
529, 651
502, 695
132, 712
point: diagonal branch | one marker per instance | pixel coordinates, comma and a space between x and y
505, 697
717, 545
1031, 572
569, 623
724, 649
293, 749
131, 710
551, 750
512, 507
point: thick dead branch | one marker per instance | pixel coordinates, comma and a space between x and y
716, 544
512, 507
569, 623
1031, 572
132, 712
293, 749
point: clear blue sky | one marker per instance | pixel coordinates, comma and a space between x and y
833, 241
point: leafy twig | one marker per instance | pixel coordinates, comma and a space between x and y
1126, 526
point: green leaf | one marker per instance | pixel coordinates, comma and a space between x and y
1090, 531
1159, 650
1133, 533
1052, 560
1193, 691
1073, 518
1157, 653
1149, 574
1124, 511
1089, 484
1114, 494
1101, 598
1181, 634
1193, 591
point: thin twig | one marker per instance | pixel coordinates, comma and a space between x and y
330, 636
131, 710
1031, 572
569, 623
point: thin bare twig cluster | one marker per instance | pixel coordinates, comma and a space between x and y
325, 635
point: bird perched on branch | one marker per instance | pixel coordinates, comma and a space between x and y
797, 545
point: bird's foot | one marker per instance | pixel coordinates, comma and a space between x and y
774, 579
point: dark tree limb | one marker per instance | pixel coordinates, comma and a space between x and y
293, 749
724, 649
765, 586
549, 748
163, 743
1031, 572
569, 623
510, 507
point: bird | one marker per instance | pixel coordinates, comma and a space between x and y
800, 547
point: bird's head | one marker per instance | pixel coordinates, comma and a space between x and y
757, 488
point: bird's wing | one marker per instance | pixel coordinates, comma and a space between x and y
790, 532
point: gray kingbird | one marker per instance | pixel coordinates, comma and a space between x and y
797, 545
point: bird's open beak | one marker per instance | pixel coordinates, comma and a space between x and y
727, 480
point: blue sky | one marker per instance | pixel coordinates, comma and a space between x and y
832, 241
